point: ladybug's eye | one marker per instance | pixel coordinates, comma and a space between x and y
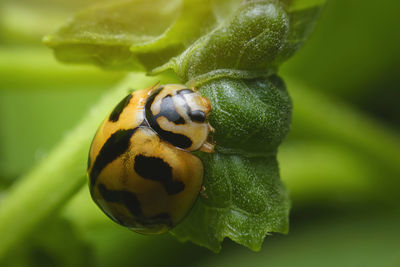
197, 116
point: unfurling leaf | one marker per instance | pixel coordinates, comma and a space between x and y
131, 35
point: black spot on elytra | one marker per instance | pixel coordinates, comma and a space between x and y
125, 198
156, 169
197, 116
162, 218
168, 111
178, 140
114, 116
130, 201
116, 145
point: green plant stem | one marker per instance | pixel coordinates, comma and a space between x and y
59, 175
324, 172
320, 117
40, 70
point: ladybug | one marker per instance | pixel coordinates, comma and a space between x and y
141, 171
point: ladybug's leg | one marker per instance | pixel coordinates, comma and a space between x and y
209, 144
207, 147
203, 192
192, 86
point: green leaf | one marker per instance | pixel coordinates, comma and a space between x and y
244, 200
133, 35
142, 35
302, 19
366, 239
248, 41
251, 116
252, 42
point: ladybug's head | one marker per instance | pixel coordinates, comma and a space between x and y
179, 115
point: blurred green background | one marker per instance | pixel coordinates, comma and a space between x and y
341, 161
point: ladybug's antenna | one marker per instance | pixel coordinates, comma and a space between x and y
155, 85
151, 88
192, 85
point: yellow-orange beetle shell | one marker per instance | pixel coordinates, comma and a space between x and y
137, 176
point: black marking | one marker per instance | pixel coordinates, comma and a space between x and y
125, 198
185, 91
116, 145
114, 116
130, 201
168, 111
89, 162
162, 218
153, 95
197, 116
89, 159
156, 169
178, 140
